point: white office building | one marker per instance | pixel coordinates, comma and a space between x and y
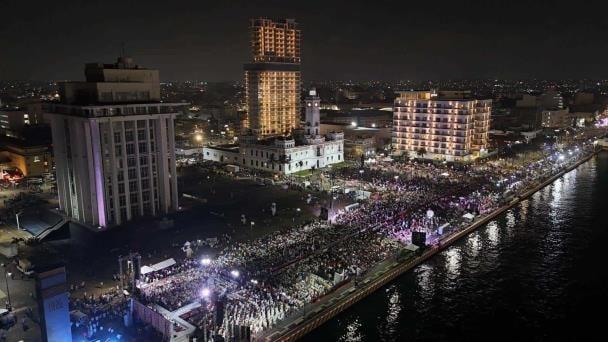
114, 145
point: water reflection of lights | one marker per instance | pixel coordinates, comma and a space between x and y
493, 233
424, 278
474, 244
510, 219
353, 332
523, 210
556, 196
452, 258
394, 308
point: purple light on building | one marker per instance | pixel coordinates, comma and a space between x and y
99, 191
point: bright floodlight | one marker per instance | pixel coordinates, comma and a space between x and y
235, 273
205, 293
205, 261
561, 157
253, 281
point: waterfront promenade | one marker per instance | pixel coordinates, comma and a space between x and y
314, 315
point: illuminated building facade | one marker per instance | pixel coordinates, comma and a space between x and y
272, 80
306, 150
447, 125
114, 145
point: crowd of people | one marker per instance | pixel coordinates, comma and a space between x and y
95, 314
264, 281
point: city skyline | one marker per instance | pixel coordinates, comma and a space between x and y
302, 170
358, 41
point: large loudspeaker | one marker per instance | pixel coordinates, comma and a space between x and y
247, 334
324, 214
419, 239
136, 267
241, 333
219, 311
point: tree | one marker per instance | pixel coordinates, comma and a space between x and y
421, 152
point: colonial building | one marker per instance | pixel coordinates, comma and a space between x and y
305, 150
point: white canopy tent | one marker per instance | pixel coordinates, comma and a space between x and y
468, 216
158, 266
412, 247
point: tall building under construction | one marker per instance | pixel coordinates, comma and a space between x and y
272, 79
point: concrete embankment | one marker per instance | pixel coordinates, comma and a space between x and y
346, 297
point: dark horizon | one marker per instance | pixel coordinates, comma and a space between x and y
342, 40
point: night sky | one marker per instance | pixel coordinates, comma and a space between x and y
371, 40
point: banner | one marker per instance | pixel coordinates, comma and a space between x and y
152, 317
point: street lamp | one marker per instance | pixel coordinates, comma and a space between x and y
361, 179
8, 292
17, 219
205, 293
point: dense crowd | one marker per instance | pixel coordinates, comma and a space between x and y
94, 314
262, 282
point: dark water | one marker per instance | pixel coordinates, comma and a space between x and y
538, 272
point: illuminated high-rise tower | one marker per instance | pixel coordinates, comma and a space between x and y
272, 79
